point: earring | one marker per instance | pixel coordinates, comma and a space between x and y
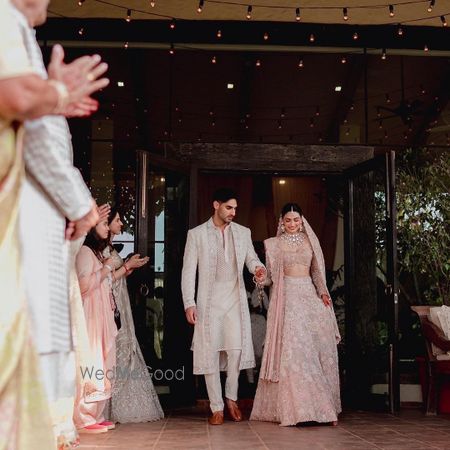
282, 228
301, 228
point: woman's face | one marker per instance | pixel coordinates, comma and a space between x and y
116, 225
292, 222
102, 229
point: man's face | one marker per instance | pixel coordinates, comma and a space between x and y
225, 211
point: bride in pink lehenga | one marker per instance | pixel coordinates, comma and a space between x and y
299, 378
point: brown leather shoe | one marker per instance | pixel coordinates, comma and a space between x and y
234, 410
216, 418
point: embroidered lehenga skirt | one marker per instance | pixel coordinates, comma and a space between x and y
308, 385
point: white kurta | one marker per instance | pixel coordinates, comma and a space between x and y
53, 189
225, 304
201, 255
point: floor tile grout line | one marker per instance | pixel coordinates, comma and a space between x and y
161, 432
257, 435
387, 427
208, 433
359, 437
409, 437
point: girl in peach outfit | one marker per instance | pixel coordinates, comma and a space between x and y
94, 276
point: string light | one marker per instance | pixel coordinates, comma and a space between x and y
355, 36
312, 38
213, 60
219, 34
297, 14
383, 54
431, 6
172, 24
385, 134
300, 64
311, 122
172, 49
391, 11
258, 63
345, 13
422, 90
400, 30
378, 112
283, 113
81, 31
317, 111
125, 45
266, 36
128, 19
425, 48
249, 12
279, 125
388, 98
201, 3
152, 3
380, 124
343, 60
80, 2
444, 22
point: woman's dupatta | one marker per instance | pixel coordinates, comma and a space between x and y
270, 365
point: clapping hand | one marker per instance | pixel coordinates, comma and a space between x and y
136, 261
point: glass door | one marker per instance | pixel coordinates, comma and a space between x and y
161, 328
371, 360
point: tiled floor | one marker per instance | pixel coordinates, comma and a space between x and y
186, 430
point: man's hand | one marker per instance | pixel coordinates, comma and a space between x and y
81, 80
191, 315
260, 274
326, 300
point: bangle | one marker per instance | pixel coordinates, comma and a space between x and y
63, 95
108, 267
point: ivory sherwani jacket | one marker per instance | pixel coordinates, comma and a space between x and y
200, 257
52, 190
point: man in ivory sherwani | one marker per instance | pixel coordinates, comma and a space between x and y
222, 339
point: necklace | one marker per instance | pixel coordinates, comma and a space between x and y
293, 239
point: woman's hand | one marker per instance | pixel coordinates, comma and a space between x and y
136, 261
260, 274
108, 262
326, 300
